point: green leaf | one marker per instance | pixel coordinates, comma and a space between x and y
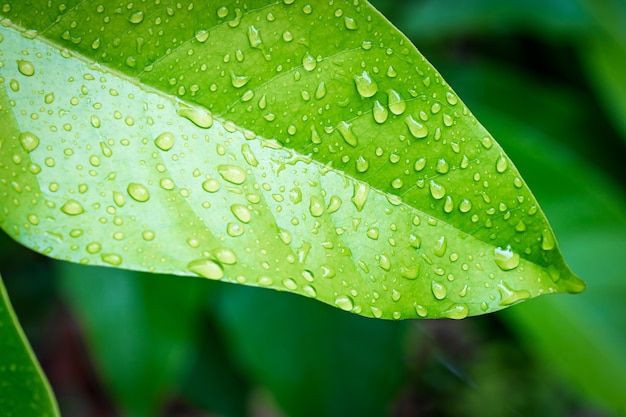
24, 389
304, 148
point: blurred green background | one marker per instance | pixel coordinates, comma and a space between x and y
548, 79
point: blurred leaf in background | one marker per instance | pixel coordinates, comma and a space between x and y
546, 78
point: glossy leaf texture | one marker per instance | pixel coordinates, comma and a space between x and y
302, 147
24, 389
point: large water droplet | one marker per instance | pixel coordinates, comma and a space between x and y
239, 81
397, 105
547, 240
510, 296
241, 212
29, 141
506, 259
359, 197
206, 268
111, 258
502, 163
165, 141
72, 208
198, 116
438, 191
316, 206
26, 68
308, 62
456, 312
138, 192
442, 166
379, 112
225, 256
441, 246
365, 85
232, 173
417, 129
136, 17
345, 129
345, 303
439, 291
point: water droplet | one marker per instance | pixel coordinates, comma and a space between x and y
72, 208
421, 310
334, 204
316, 206
486, 142
344, 302
439, 291
397, 105
254, 37
29, 141
93, 248
419, 164
232, 173
436, 190
320, 92
239, 81
379, 112
502, 163
202, 35
442, 166
148, 235
346, 132
264, 281
506, 259
377, 312
111, 258
308, 62
547, 240
410, 272
372, 233
350, 23
417, 129
451, 98
206, 268
359, 197
465, 206
136, 17
510, 296
248, 155
361, 164
365, 85
138, 192
290, 284
448, 204
384, 262
26, 68
241, 212
456, 312
165, 141
225, 255
441, 246
198, 116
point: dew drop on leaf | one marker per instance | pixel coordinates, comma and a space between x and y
29, 141
397, 105
26, 68
72, 208
344, 302
345, 129
232, 173
506, 259
456, 312
165, 141
138, 192
365, 85
439, 291
417, 129
206, 268
510, 296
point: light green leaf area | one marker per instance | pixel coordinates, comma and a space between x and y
303, 147
24, 389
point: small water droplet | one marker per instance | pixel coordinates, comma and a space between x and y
93, 248
421, 310
439, 291
451, 98
232, 173
29, 141
138, 192
417, 129
350, 23
165, 141
225, 256
547, 240
239, 81
365, 85
410, 272
206, 268
397, 105
198, 116
361, 164
320, 92
448, 204
506, 259
254, 37
486, 142
202, 35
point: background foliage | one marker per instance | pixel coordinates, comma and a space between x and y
546, 79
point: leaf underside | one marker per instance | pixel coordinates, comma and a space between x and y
303, 147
